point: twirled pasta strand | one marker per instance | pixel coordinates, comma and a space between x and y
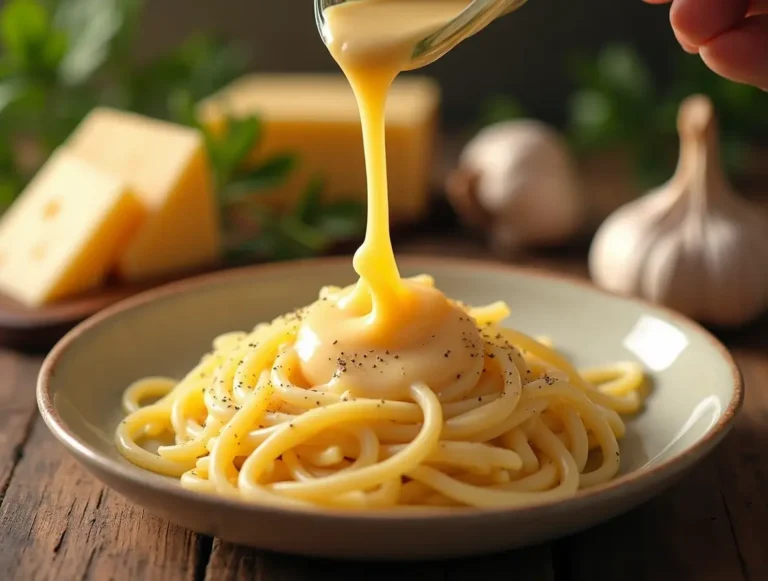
517, 430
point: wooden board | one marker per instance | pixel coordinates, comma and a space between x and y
38, 329
25, 328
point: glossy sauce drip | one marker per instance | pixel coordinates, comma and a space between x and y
385, 333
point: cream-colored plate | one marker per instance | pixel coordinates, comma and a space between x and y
697, 392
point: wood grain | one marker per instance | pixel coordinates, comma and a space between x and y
56, 521
684, 534
232, 563
742, 465
17, 412
62, 524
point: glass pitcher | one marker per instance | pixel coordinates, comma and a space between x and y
477, 15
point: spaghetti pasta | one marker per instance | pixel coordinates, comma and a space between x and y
246, 425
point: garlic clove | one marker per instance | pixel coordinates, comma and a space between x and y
628, 233
517, 182
462, 191
691, 244
738, 263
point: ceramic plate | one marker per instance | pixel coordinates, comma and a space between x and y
697, 391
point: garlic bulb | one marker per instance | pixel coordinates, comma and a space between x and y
692, 244
516, 181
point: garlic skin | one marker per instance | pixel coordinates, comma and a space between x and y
517, 182
692, 244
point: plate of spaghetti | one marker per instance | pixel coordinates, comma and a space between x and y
384, 418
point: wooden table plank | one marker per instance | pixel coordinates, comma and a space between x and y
17, 411
684, 534
742, 464
232, 563
57, 522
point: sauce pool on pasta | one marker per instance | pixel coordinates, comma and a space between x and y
386, 393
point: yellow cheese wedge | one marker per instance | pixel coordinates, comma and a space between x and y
166, 165
62, 235
316, 116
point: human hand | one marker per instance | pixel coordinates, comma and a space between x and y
731, 36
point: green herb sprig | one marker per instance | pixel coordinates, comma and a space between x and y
255, 229
618, 103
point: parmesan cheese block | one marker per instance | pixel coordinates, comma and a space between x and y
316, 116
62, 235
166, 165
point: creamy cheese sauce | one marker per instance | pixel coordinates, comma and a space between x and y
386, 333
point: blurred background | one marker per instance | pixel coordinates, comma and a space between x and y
527, 55
606, 76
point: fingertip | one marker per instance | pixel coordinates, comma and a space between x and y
697, 21
741, 54
687, 47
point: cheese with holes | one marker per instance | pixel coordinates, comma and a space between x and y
316, 116
64, 232
166, 165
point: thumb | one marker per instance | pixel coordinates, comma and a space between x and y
741, 53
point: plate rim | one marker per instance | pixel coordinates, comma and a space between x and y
142, 478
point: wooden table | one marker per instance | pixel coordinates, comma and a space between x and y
57, 522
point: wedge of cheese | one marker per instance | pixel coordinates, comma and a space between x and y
316, 117
62, 235
166, 165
